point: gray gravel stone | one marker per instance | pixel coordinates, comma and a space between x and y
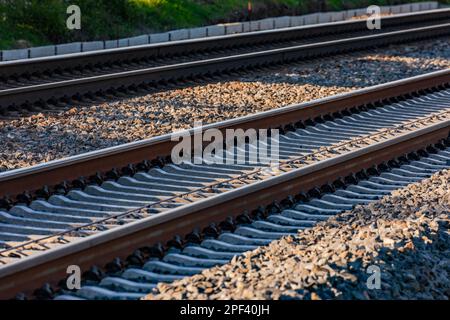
406, 235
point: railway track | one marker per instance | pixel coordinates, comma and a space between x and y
48, 83
130, 202
141, 274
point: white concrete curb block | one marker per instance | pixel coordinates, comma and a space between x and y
245, 26
214, 31
282, 22
15, 54
325, 17
68, 48
297, 21
37, 52
254, 25
92, 46
266, 24
181, 34
195, 33
338, 16
311, 18
111, 44
139, 40
159, 37
123, 42
231, 28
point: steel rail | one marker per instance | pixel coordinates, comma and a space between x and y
183, 47
50, 266
33, 178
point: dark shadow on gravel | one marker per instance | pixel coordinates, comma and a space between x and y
351, 73
416, 269
46, 145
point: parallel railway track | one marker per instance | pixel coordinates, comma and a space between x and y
36, 84
158, 201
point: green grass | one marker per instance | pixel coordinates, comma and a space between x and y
40, 22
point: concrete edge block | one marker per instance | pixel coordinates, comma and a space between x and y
312, 18
215, 30
254, 25
350, 13
92, 46
139, 40
266, 24
159, 37
324, 17
405, 8
123, 42
43, 51
434, 5
396, 9
180, 34
297, 21
337, 16
111, 44
232, 28
415, 7
424, 6
245, 26
360, 12
14, 54
385, 9
195, 33
282, 22
68, 48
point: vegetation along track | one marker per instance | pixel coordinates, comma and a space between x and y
130, 201
41, 83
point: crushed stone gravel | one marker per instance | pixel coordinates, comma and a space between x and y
406, 235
